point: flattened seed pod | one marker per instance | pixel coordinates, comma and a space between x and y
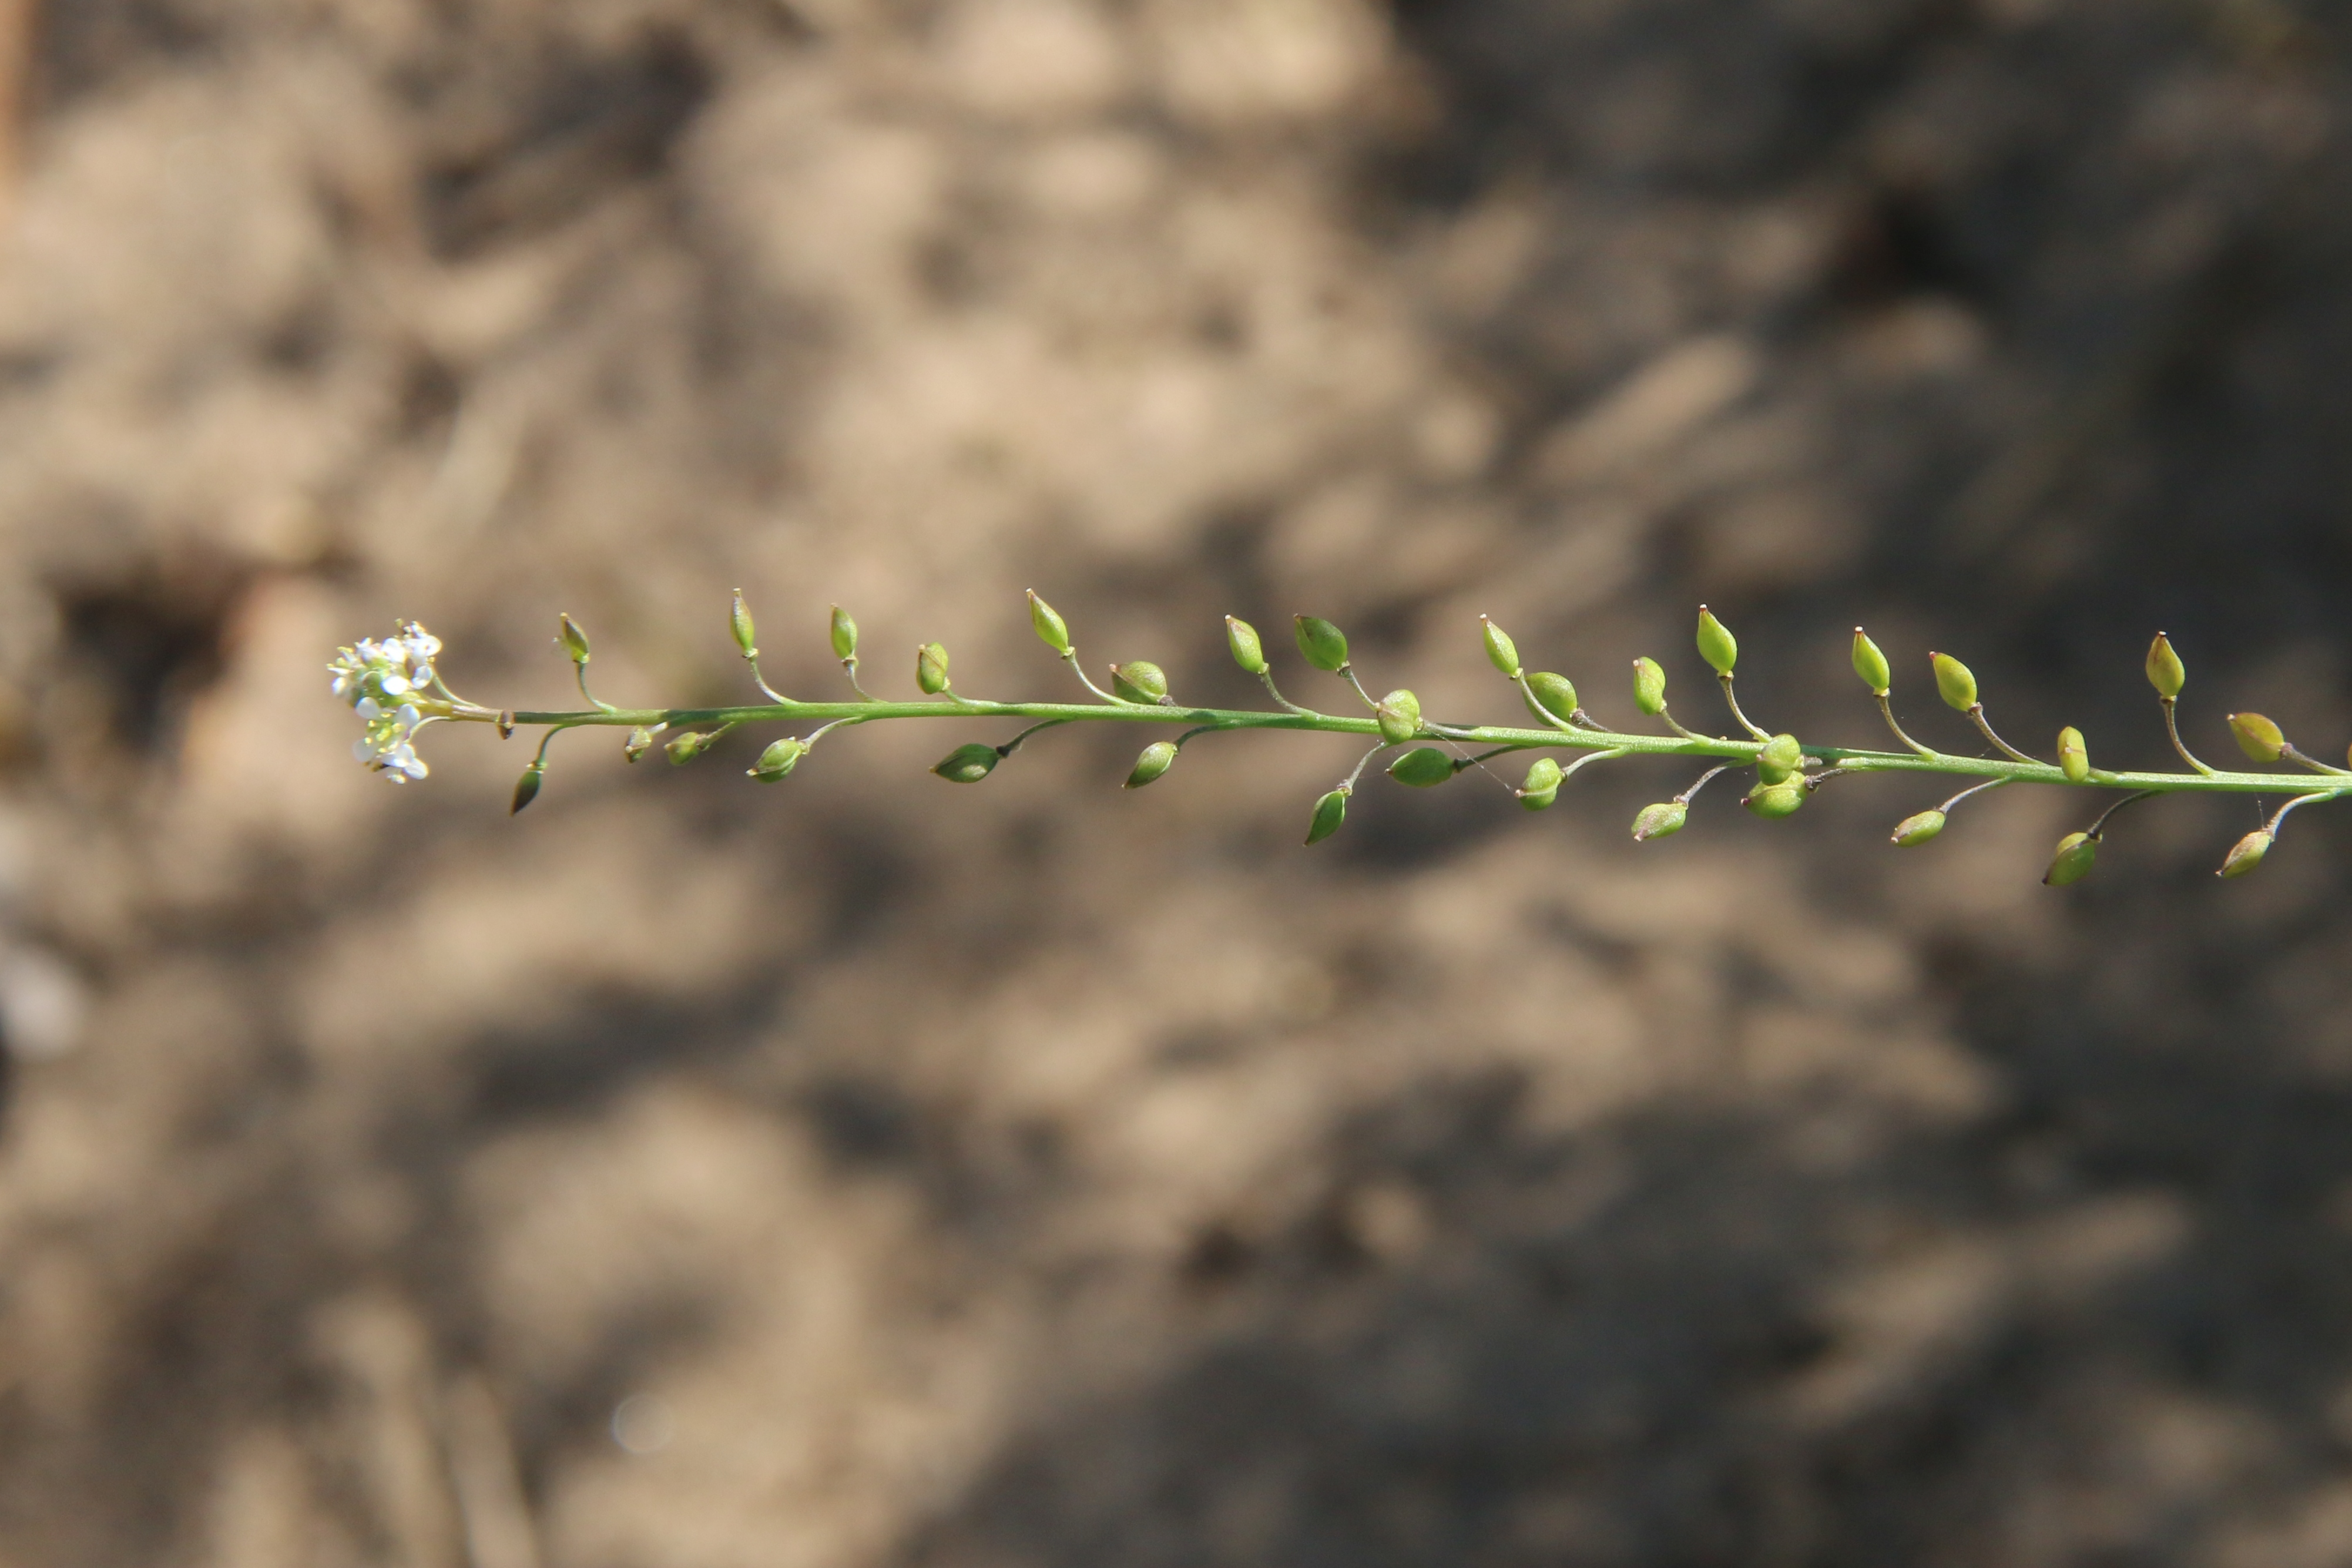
1918, 828
2258, 737
1329, 812
1157, 759
1399, 715
967, 764
1324, 646
2074, 756
1424, 767
1556, 693
1716, 645
2072, 862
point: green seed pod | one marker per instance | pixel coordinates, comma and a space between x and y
845, 635
1662, 821
527, 786
641, 740
1542, 787
1140, 681
2258, 737
1649, 688
931, 669
1556, 695
2164, 671
1424, 767
1716, 645
1871, 664
1329, 812
575, 640
968, 764
2073, 757
1501, 651
1918, 828
2245, 854
1242, 638
1157, 759
777, 762
1324, 646
685, 749
738, 620
1400, 717
2072, 863
1051, 630
1780, 757
1774, 801
1954, 683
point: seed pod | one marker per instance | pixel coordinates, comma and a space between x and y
641, 740
1542, 787
1649, 688
1780, 757
1716, 645
1400, 717
1242, 638
967, 764
2258, 737
1051, 630
1918, 828
1871, 664
1774, 801
2073, 757
1953, 681
845, 635
1501, 651
1157, 759
738, 620
2245, 854
686, 747
779, 759
1556, 695
2072, 863
575, 640
527, 786
2164, 671
931, 669
1324, 646
1662, 821
1329, 812
1140, 681
1424, 767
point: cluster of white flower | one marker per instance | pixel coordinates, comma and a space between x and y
379, 680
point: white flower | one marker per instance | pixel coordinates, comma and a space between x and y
376, 678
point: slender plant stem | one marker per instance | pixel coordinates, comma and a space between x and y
1976, 717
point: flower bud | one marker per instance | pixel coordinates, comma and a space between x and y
527, 786
2245, 854
738, 620
968, 764
1051, 630
1424, 767
641, 740
686, 747
779, 759
1716, 645
1542, 787
1954, 683
1662, 820
2072, 863
1501, 651
2074, 756
1918, 828
2164, 671
1780, 757
1242, 638
1649, 688
1871, 664
1774, 801
845, 635
1329, 812
1400, 717
2258, 737
575, 640
1157, 759
1324, 646
1555, 694
931, 669
1140, 681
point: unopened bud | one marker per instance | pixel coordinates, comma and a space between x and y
1140, 681
575, 640
527, 786
1954, 683
2245, 854
1555, 694
1501, 651
2258, 737
2164, 671
1329, 812
2072, 863
1324, 646
1157, 759
1424, 767
931, 670
1242, 638
640, 741
2074, 756
1871, 664
1650, 688
1398, 713
1051, 630
738, 620
1542, 787
845, 635
1716, 645
1918, 828
686, 747
967, 764
1662, 821
1774, 801
779, 759
1780, 757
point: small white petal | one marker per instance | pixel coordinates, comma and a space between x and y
408, 717
362, 752
367, 708
393, 686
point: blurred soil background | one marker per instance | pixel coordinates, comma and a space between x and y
864, 1171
